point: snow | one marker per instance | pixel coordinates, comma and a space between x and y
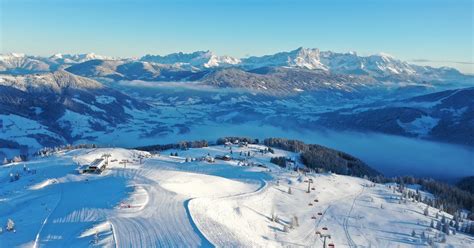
167, 202
298, 90
105, 99
79, 123
22, 131
92, 107
420, 126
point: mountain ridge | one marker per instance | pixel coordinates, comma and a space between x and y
378, 65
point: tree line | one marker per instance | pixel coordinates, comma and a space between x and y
183, 145
448, 198
233, 139
321, 158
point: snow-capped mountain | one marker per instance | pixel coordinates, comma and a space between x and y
382, 65
286, 81
133, 70
78, 58
199, 59
61, 100
16, 63
191, 66
376, 65
301, 58
49, 82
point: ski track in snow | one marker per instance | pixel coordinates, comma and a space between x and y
166, 202
163, 222
350, 241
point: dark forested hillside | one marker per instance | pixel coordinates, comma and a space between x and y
467, 184
320, 157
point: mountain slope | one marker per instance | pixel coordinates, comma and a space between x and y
299, 58
21, 64
446, 116
161, 200
285, 81
132, 70
56, 108
199, 59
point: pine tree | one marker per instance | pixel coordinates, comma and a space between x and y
438, 225
5, 160
432, 225
426, 212
446, 228
274, 217
413, 233
289, 190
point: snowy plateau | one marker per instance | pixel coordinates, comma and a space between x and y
175, 199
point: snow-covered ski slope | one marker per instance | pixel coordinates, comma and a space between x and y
168, 202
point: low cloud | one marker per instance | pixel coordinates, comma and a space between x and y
442, 61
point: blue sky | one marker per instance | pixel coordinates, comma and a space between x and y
434, 32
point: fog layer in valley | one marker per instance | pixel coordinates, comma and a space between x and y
391, 155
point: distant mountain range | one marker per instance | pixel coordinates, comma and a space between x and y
46, 101
184, 66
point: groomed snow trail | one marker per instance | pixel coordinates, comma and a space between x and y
162, 222
167, 202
